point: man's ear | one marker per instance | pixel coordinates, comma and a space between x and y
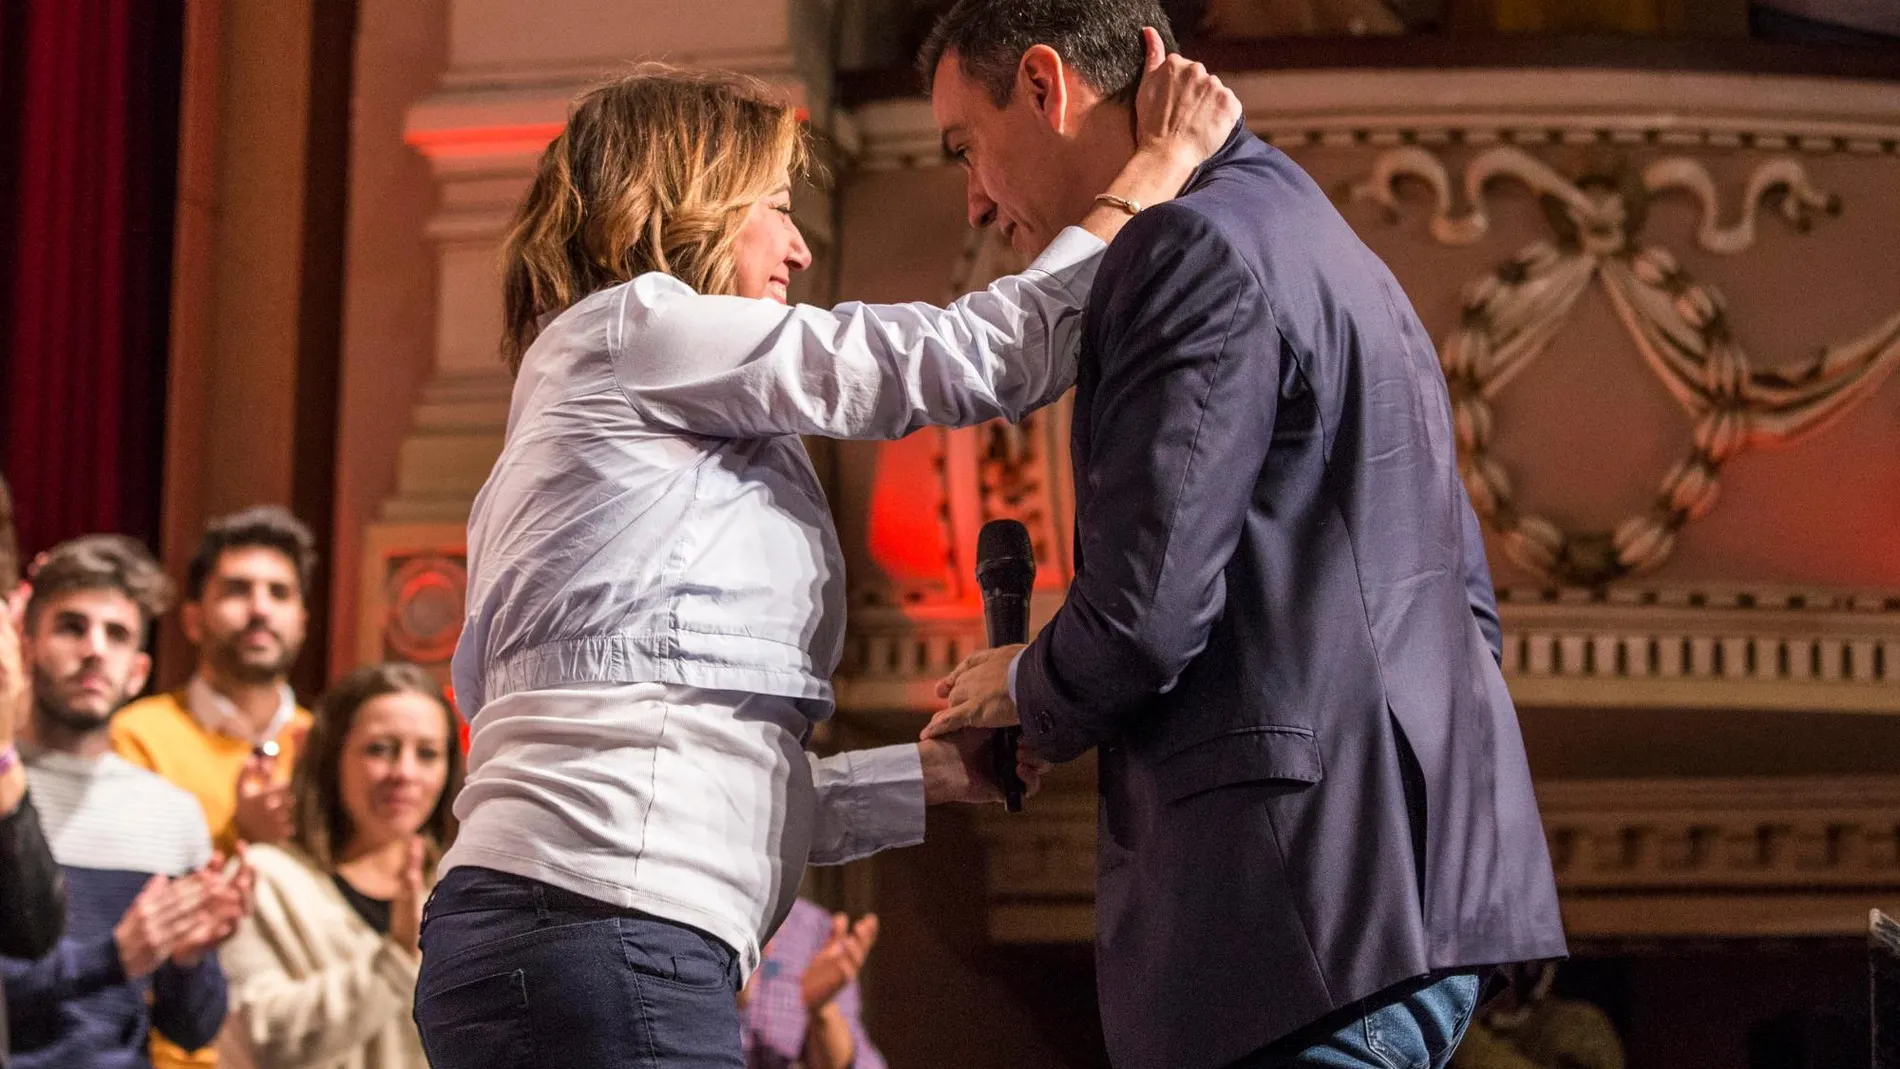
191, 618
1040, 79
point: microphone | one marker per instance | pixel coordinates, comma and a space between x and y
1005, 572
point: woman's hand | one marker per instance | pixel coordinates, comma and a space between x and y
959, 766
1182, 113
405, 910
1182, 116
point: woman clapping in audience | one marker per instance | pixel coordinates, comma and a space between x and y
324, 972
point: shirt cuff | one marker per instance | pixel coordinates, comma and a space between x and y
1071, 259
882, 790
1013, 662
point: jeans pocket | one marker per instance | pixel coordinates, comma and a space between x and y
1422, 1030
1393, 1037
483, 1022
1462, 1004
675, 954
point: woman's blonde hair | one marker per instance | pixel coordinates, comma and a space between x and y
655, 171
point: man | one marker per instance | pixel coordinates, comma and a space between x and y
230, 736
801, 1005
32, 895
1317, 824
150, 902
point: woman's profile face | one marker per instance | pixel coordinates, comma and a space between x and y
395, 762
769, 247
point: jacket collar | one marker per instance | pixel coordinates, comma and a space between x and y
1239, 143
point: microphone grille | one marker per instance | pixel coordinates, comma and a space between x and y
1003, 540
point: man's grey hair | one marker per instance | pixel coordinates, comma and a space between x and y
1099, 39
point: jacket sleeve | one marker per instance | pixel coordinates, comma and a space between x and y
1182, 417
32, 891
743, 368
188, 1004
75, 968
1478, 591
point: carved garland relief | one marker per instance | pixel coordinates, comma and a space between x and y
1021, 467
1678, 324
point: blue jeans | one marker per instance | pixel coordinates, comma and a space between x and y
518, 974
1414, 1026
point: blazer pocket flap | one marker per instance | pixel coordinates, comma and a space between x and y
1246, 756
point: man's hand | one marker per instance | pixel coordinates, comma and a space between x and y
957, 768
224, 901
263, 806
978, 692
837, 963
159, 917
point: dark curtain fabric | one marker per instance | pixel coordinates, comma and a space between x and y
89, 93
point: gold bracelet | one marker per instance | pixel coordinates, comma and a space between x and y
1113, 201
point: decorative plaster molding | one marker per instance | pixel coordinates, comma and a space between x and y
1385, 108
1679, 325
454, 438
1635, 859
1665, 648
1754, 834
1685, 648
414, 586
1601, 217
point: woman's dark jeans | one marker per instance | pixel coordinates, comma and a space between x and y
519, 974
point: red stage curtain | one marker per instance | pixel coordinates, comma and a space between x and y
88, 148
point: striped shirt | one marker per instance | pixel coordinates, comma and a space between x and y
106, 813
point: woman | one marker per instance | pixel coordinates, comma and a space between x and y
655, 595
323, 973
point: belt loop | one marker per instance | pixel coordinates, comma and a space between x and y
540, 903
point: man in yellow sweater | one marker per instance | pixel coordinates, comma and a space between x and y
230, 737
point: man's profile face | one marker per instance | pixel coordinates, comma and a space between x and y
83, 648
1014, 161
249, 623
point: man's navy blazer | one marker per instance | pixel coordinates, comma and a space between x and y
1281, 635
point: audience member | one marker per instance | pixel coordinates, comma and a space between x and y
230, 736
801, 1006
32, 895
149, 899
323, 973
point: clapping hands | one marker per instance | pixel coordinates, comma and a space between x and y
839, 961
263, 802
183, 919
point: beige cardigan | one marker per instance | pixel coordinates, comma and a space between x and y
312, 986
